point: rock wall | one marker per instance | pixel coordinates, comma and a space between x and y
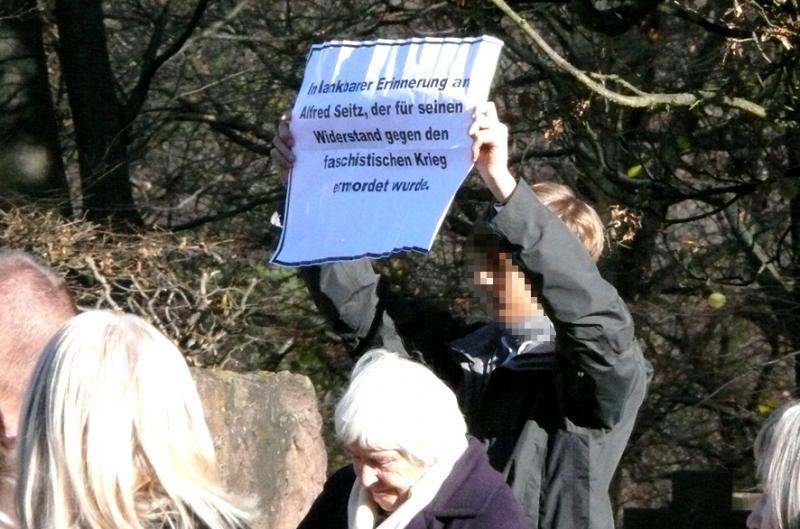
267, 431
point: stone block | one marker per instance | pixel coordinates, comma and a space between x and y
267, 432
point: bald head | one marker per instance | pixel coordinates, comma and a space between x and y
34, 303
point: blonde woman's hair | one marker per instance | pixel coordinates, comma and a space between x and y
579, 216
777, 452
113, 434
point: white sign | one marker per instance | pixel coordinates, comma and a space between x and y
381, 145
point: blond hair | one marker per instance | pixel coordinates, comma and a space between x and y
579, 216
777, 452
113, 434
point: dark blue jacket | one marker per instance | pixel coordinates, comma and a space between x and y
474, 496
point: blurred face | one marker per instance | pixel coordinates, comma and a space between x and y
387, 474
504, 287
759, 518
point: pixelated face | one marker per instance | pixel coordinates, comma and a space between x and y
503, 285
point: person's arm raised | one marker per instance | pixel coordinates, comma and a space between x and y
490, 151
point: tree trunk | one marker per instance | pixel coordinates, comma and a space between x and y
31, 167
100, 131
792, 173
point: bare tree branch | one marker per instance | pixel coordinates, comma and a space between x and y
691, 16
228, 129
138, 95
612, 21
194, 223
641, 99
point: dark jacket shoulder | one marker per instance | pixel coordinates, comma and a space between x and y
474, 496
329, 510
470, 486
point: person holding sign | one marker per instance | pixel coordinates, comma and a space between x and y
552, 386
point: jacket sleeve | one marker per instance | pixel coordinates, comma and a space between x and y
359, 304
353, 298
594, 330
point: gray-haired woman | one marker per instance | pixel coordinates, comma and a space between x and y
777, 451
413, 466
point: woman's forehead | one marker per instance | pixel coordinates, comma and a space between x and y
361, 451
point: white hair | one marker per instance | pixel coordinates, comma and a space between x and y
113, 434
393, 403
777, 452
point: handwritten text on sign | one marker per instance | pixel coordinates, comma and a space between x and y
381, 144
